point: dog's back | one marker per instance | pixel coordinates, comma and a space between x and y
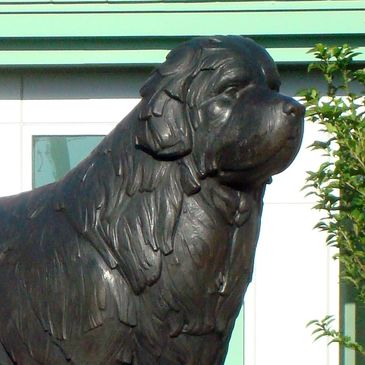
18, 214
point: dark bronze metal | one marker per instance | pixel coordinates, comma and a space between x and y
142, 253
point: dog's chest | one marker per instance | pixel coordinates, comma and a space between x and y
219, 219
214, 246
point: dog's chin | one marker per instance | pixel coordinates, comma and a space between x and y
260, 172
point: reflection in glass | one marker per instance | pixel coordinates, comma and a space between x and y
54, 156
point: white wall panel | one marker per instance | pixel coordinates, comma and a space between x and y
295, 277
10, 158
10, 134
76, 111
291, 286
10, 96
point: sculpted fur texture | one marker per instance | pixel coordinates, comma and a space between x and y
142, 253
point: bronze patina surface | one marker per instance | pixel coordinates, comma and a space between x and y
142, 253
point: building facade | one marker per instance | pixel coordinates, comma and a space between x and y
70, 70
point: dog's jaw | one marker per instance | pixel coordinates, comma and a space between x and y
241, 179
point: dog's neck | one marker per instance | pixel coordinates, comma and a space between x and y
235, 206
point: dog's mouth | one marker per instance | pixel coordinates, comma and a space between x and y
281, 159
261, 171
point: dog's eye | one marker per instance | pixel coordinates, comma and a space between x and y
275, 86
231, 90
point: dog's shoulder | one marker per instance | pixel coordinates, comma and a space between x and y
18, 213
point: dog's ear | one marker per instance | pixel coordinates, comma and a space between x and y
164, 129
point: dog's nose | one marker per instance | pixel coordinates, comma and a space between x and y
293, 108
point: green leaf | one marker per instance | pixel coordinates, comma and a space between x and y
320, 336
313, 321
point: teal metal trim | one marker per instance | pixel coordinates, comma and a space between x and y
175, 24
140, 33
81, 57
144, 57
178, 6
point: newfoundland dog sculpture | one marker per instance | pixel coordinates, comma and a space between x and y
142, 253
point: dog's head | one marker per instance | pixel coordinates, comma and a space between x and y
217, 100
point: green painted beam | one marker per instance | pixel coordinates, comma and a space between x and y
34, 58
180, 24
140, 33
301, 55
169, 6
81, 57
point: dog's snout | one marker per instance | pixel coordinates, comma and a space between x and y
293, 108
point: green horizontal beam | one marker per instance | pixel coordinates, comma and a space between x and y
169, 6
138, 32
301, 55
81, 57
67, 58
181, 24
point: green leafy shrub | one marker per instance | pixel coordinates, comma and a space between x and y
339, 182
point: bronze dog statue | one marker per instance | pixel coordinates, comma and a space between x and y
142, 254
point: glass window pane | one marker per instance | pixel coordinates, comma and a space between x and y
352, 324
54, 156
236, 350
